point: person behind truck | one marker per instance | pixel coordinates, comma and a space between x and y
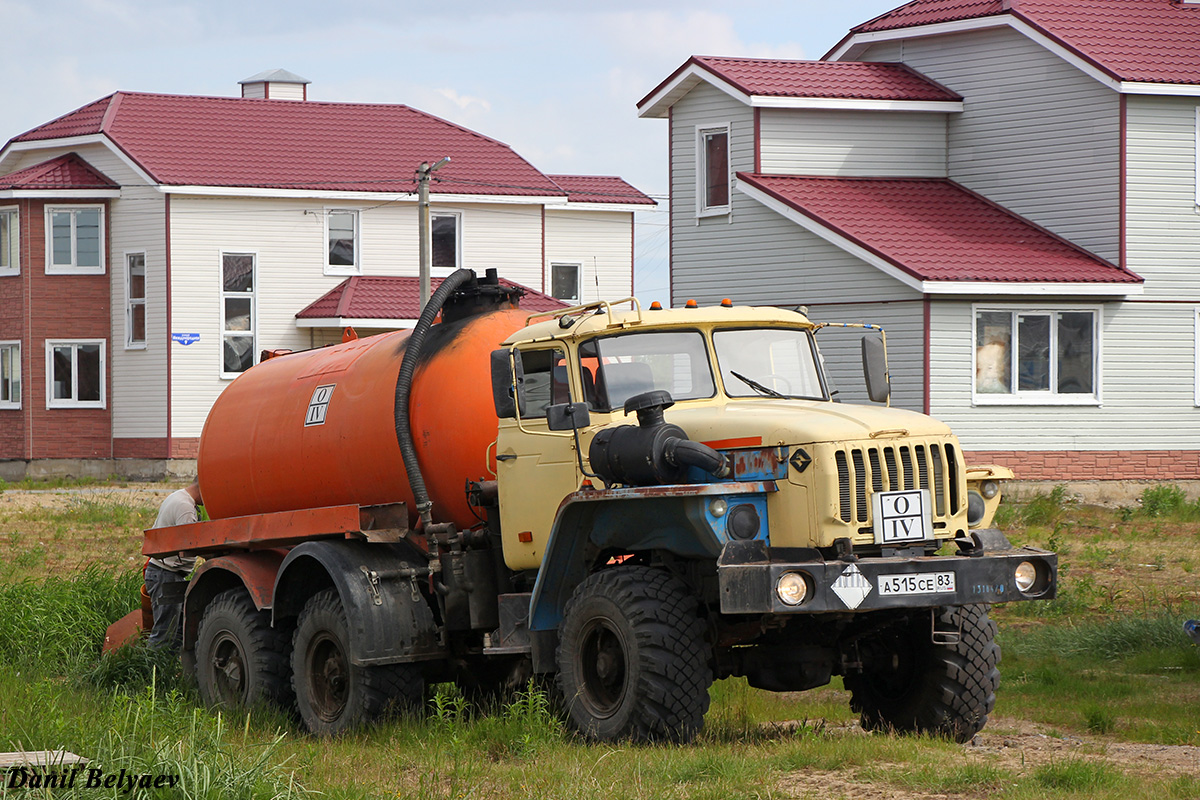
166, 578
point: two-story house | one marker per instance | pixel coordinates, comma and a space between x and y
152, 245
1010, 187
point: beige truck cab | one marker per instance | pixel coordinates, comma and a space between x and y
703, 448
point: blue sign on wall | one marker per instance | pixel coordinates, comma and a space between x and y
185, 338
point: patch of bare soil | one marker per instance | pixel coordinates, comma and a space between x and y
1016, 745
37, 500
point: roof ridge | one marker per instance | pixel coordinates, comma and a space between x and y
114, 103
347, 295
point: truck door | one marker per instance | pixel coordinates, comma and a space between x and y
535, 467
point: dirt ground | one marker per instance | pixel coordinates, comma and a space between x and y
1014, 745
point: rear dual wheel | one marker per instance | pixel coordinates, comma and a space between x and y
241, 660
332, 693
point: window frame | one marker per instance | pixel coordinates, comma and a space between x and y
73, 268
1017, 397
15, 346
344, 269
568, 262
14, 267
130, 302
445, 272
222, 295
703, 209
53, 402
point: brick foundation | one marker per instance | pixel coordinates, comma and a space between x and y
140, 448
185, 448
1093, 465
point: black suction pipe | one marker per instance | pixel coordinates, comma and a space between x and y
424, 507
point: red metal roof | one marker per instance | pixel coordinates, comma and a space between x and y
220, 141
64, 172
852, 80
396, 297
600, 189
936, 230
1155, 41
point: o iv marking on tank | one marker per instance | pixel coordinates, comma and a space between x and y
852, 587
319, 405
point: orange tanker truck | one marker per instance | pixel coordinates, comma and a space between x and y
473, 501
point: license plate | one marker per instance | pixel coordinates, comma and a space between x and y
902, 516
925, 583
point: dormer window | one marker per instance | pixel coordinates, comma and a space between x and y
712, 171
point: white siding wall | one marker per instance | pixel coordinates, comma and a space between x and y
137, 224
904, 323
858, 143
602, 241
1162, 219
705, 250
289, 238
1147, 402
1036, 135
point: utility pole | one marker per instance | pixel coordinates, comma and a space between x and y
423, 173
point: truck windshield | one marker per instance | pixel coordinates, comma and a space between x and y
615, 368
768, 362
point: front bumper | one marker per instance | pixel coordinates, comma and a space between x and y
748, 576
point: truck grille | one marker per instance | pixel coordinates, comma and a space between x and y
862, 471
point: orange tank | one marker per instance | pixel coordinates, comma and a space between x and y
316, 428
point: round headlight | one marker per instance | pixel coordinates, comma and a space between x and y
976, 508
990, 489
792, 588
743, 522
718, 507
1025, 576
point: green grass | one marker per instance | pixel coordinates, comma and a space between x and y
1106, 662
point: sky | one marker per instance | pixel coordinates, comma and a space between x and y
556, 80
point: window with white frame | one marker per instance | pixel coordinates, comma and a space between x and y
10, 374
238, 314
135, 300
446, 232
712, 170
341, 238
564, 280
75, 374
1036, 355
75, 240
10, 262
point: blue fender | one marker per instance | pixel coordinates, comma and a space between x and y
674, 519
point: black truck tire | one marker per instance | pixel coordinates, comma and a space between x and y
240, 659
332, 694
633, 662
911, 684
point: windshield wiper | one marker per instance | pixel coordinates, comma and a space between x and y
756, 386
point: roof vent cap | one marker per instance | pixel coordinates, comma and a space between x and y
275, 84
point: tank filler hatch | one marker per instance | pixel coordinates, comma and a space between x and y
480, 296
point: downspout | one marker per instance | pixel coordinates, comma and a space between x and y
170, 397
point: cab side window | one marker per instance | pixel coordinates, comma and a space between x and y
545, 381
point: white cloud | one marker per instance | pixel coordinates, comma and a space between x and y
464, 102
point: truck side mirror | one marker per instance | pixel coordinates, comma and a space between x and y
567, 416
875, 369
505, 380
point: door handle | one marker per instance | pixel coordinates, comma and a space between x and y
506, 456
